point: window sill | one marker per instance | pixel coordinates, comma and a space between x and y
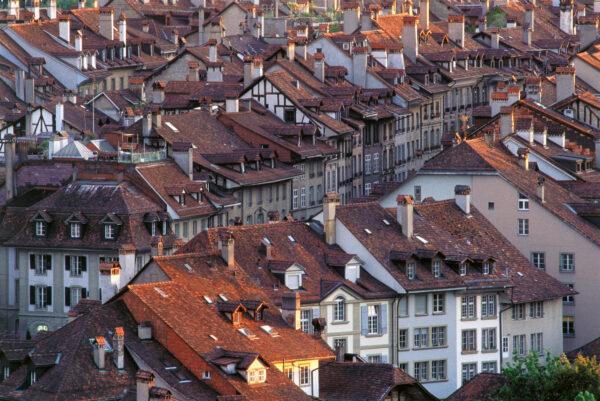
439, 313
428, 348
568, 335
468, 352
339, 322
489, 317
373, 335
489, 351
421, 314
468, 319
566, 271
434, 381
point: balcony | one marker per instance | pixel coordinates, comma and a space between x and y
141, 157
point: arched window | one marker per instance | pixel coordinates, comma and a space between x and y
41, 327
339, 309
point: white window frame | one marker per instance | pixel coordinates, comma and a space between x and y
339, 309
436, 268
566, 262
75, 230
439, 303
523, 202
109, 231
304, 375
40, 229
373, 312
420, 337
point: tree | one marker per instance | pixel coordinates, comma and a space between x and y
527, 379
496, 18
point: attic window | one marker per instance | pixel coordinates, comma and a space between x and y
368, 231
75, 230
436, 268
40, 229
487, 267
188, 267
411, 270
346, 46
110, 231
223, 297
206, 375
208, 300
387, 223
257, 376
463, 268
213, 337
171, 126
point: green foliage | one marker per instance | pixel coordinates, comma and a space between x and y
558, 380
496, 18
335, 28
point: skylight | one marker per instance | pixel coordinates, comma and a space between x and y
171, 126
368, 231
269, 330
208, 300
223, 297
245, 332
213, 337
161, 292
423, 240
188, 267
387, 223
291, 238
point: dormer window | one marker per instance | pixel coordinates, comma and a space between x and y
40, 228
153, 229
411, 270
463, 268
436, 268
236, 318
110, 231
181, 200
487, 267
75, 230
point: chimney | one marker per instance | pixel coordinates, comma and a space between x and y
64, 28
175, 36
106, 23
36, 9
424, 14
160, 394
462, 198
227, 246
587, 29
330, 202
507, 123
291, 49
248, 60
276, 9
495, 37
529, 20
485, 7
13, 8
366, 23
596, 6
147, 125
52, 9
146, 26
301, 47
99, 352
190, 163
527, 36
395, 57
232, 103
351, 18
566, 17
290, 309
565, 82
119, 348
483, 24
212, 50
144, 331
410, 38
214, 72
193, 71
404, 214
144, 381
156, 118
319, 65
138, 87
30, 90
80, 4
59, 116
359, 66
79, 40
9, 159
456, 29
268, 247
523, 154
158, 92
540, 190
201, 36
123, 34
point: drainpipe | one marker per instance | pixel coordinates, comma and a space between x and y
500, 329
394, 314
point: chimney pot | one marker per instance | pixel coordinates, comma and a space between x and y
100, 352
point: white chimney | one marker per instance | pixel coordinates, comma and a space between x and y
597, 6
123, 35
212, 51
456, 29
424, 14
64, 28
144, 331
79, 41
540, 188
291, 49
351, 18
359, 66
106, 23
566, 17
330, 202
290, 309
59, 116
144, 381
404, 214
319, 58
227, 246
36, 9
232, 103
462, 198
119, 348
99, 352
565, 82
410, 38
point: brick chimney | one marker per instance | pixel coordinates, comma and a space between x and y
410, 38
106, 23
330, 202
100, 352
144, 381
227, 247
319, 72
290, 309
424, 14
456, 29
64, 28
565, 82
462, 198
351, 18
404, 214
119, 348
507, 122
359, 66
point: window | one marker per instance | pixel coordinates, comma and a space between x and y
567, 262
518, 312
75, 230
421, 304
491, 205
569, 299
304, 375
76, 265
376, 162
403, 339
436, 268
109, 231
505, 345
489, 367
568, 326
536, 310
523, 225
341, 343
306, 320
403, 307
538, 259
488, 339
289, 372
40, 229
438, 370
40, 263
523, 202
487, 267
463, 268
421, 371
417, 193
73, 295
537, 343
468, 309
469, 341
403, 366
295, 199
289, 115
438, 336
488, 306
519, 345
373, 319
367, 164
339, 309
469, 370
374, 358
303, 197
421, 337
410, 270
40, 296
439, 303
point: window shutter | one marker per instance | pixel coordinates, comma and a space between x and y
363, 320
67, 262
31, 295
383, 319
84, 293
83, 263
48, 262
48, 295
32, 261
67, 296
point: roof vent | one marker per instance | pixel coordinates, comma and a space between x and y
387, 223
188, 267
423, 240
208, 300
161, 292
212, 336
171, 126
269, 330
368, 231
